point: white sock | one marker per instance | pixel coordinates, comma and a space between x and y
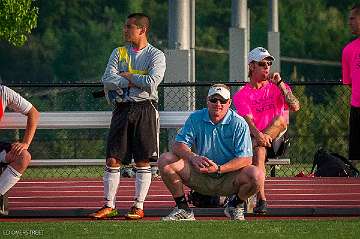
142, 185
8, 179
111, 182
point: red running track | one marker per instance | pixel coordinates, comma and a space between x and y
286, 197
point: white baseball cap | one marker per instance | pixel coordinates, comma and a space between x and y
220, 90
258, 54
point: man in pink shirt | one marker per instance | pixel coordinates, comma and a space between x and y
351, 77
264, 102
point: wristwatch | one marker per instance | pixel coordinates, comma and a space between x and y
218, 170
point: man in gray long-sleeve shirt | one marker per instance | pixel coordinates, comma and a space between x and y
131, 78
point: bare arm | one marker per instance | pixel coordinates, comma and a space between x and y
290, 99
200, 163
233, 165
236, 164
183, 151
261, 138
205, 165
32, 121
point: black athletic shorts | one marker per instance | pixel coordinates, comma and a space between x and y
354, 134
4, 149
5, 146
134, 132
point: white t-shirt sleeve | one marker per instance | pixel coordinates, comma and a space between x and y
15, 101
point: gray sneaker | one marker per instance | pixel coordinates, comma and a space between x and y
155, 172
235, 213
127, 172
179, 215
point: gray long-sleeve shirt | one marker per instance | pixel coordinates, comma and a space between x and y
149, 60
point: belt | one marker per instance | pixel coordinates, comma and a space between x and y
133, 103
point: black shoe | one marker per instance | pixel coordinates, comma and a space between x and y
261, 207
3, 206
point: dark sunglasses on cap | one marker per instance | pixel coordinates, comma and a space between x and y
215, 100
264, 63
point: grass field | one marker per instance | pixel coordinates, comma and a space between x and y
274, 229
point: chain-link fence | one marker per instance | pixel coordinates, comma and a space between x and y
321, 122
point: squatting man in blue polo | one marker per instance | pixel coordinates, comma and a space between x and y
212, 154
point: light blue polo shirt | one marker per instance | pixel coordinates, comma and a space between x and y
220, 142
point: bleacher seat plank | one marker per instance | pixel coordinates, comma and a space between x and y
85, 119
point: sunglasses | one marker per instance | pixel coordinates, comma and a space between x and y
264, 63
215, 100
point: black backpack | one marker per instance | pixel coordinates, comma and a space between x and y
329, 164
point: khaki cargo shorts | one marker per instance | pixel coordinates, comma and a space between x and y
213, 184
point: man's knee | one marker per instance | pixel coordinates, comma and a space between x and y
255, 176
280, 122
143, 163
113, 162
166, 159
258, 176
24, 159
20, 162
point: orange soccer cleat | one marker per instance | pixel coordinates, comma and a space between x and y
104, 212
134, 213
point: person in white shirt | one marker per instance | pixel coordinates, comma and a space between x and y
15, 156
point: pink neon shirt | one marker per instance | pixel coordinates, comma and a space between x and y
261, 104
351, 70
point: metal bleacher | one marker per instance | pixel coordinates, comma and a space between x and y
93, 120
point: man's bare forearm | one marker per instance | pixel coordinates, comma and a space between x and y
32, 122
290, 98
182, 151
253, 130
236, 164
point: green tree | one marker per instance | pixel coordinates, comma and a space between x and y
17, 19
310, 29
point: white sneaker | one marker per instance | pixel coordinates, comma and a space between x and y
179, 215
235, 213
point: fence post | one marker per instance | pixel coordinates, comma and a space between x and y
273, 171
